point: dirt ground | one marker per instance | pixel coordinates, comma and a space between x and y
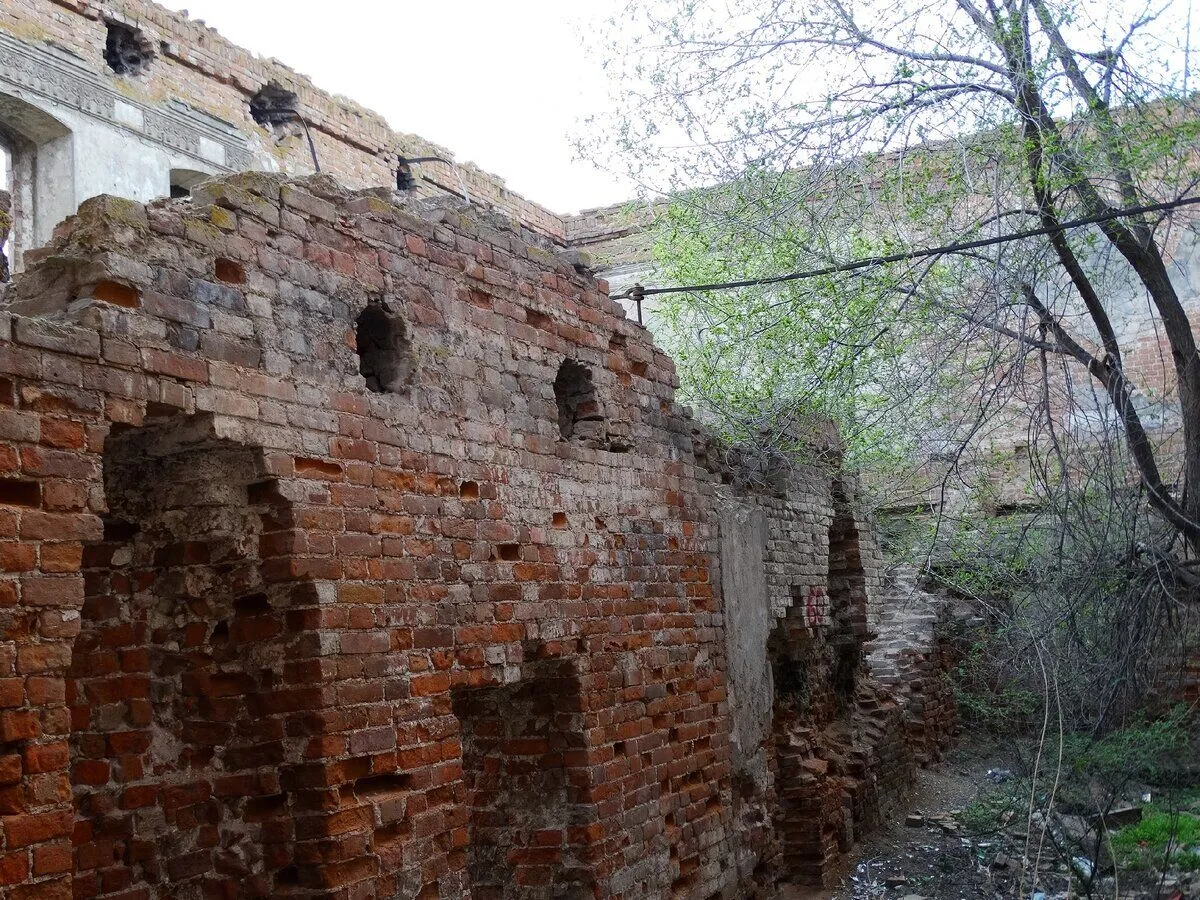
927, 853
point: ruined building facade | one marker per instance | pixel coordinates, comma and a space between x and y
360, 550
127, 98
353, 545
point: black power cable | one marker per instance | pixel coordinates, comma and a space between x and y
405, 181
637, 292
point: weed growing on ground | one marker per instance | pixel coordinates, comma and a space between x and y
1163, 838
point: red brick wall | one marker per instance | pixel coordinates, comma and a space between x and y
454, 630
259, 619
839, 755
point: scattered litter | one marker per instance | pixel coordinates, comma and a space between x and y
998, 776
1083, 866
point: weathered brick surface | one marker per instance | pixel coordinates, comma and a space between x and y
269, 630
453, 628
840, 756
918, 639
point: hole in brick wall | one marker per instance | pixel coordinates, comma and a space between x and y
288, 877
579, 413
276, 109
382, 785
14, 492
220, 634
619, 748
126, 49
509, 552
230, 272
117, 530
469, 490
617, 342
317, 468
385, 357
252, 605
117, 294
156, 410
528, 809
639, 369
261, 808
559, 520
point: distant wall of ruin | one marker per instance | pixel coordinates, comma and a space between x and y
176, 109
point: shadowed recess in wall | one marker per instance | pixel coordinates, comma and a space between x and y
385, 356
126, 49
529, 813
180, 648
579, 413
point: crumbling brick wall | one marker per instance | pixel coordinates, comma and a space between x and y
820, 753
918, 640
356, 549
262, 616
837, 747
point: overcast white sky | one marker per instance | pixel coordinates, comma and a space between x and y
501, 84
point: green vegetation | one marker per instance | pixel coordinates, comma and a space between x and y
996, 808
1164, 837
1148, 749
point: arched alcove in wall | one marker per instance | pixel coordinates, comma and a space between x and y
40, 173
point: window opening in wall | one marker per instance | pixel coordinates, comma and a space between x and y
183, 180
38, 173
578, 410
126, 51
6, 211
385, 357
